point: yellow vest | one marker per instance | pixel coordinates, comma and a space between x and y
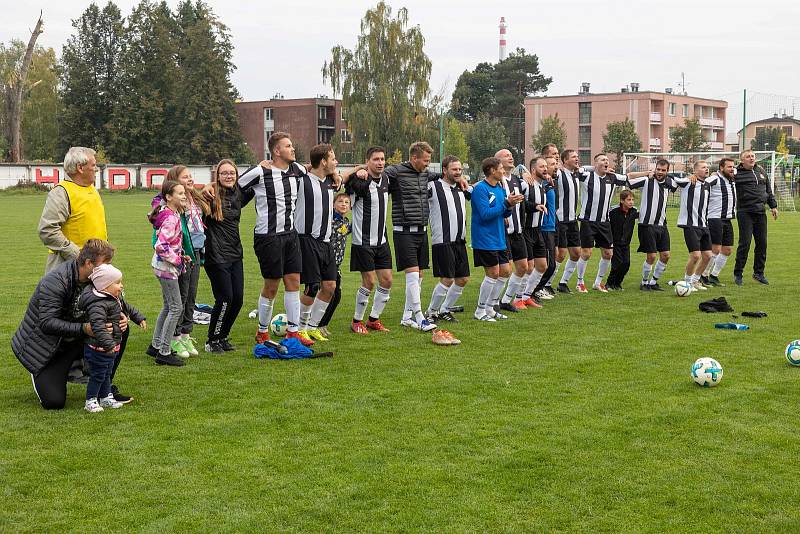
87, 217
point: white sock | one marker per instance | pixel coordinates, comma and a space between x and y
511, 291
602, 269
710, 265
688, 278
533, 281
659, 270
412, 295
362, 299
581, 269
453, 293
437, 298
291, 300
485, 295
646, 270
521, 289
317, 312
568, 270
305, 314
379, 302
498, 290
553, 276
264, 313
719, 264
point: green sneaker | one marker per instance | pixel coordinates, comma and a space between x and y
178, 348
188, 344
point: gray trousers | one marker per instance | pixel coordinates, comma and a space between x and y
188, 286
169, 316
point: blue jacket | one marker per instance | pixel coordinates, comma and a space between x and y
489, 211
549, 220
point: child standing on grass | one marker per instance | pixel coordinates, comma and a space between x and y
623, 219
341, 229
104, 302
169, 261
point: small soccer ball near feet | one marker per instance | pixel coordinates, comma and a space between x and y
278, 325
792, 352
707, 372
253, 314
682, 288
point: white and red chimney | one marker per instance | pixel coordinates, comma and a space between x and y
503, 28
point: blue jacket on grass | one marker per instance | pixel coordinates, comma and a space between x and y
489, 211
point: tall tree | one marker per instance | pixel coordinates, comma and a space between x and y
41, 108
621, 137
474, 93
687, 138
485, 137
551, 130
455, 144
383, 81
90, 65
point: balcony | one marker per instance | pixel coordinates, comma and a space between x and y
326, 122
655, 142
655, 117
715, 145
712, 123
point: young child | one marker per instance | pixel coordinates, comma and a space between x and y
103, 302
623, 219
169, 261
341, 229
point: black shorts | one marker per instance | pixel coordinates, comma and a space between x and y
364, 259
721, 232
653, 238
319, 262
450, 260
697, 239
569, 235
411, 250
489, 258
278, 254
517, 247
596, 234
537, 245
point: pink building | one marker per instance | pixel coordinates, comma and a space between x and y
586, 115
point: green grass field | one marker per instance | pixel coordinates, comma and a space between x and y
577, 417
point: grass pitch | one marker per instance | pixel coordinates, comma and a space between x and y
580, 416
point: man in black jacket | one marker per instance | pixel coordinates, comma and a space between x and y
753, 190
50, 336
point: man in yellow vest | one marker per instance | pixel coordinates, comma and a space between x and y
73, 212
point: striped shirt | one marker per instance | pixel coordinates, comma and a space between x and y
694, 202
722, 200
653, 202
314, 212
536, 196
596, 193
448, 217
566, 195
370, 201
514, 185
275, 194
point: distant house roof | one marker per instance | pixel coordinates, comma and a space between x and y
787, 119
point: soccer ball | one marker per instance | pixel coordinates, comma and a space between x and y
253, 314
707, 372
793, 352
682, 288
278, 325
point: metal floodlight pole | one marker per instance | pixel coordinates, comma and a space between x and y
441, 137
744, 121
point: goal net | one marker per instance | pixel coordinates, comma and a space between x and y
779, 167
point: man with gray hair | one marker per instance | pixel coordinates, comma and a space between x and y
73, 212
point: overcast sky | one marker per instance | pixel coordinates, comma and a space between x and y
722, 46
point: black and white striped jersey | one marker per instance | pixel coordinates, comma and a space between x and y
653, 201
567, 195
275, 194
370, 203
694, 202
536, 195
514, 185
722, 200
314, 213
448, 215
596, 193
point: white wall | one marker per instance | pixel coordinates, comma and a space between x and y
111, 176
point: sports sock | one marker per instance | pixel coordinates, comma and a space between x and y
688, 278
646, 270
264, 313
511, 291
291, 301
533, 281
553, 276
581, 269
602, 269
305, 315
658, 272
437, 298
719, 264
317, 312
453, 293
412, 295
485, 294
362, 299
569, 268
710, 265
520, 295
498, 290
379, 302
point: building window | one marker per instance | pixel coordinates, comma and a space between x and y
585, 156
344, 113
267, 114
759, 130
324, 135
584, 113
346, 137
673, 109
671, 131
787, 130
323, 112
686, 110
584, 136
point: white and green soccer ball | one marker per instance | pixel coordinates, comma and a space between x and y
707, 372
682, 288
793, 352
278, 325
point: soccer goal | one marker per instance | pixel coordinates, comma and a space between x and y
778, 166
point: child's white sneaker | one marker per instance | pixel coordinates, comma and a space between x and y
92, 406
110, 402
